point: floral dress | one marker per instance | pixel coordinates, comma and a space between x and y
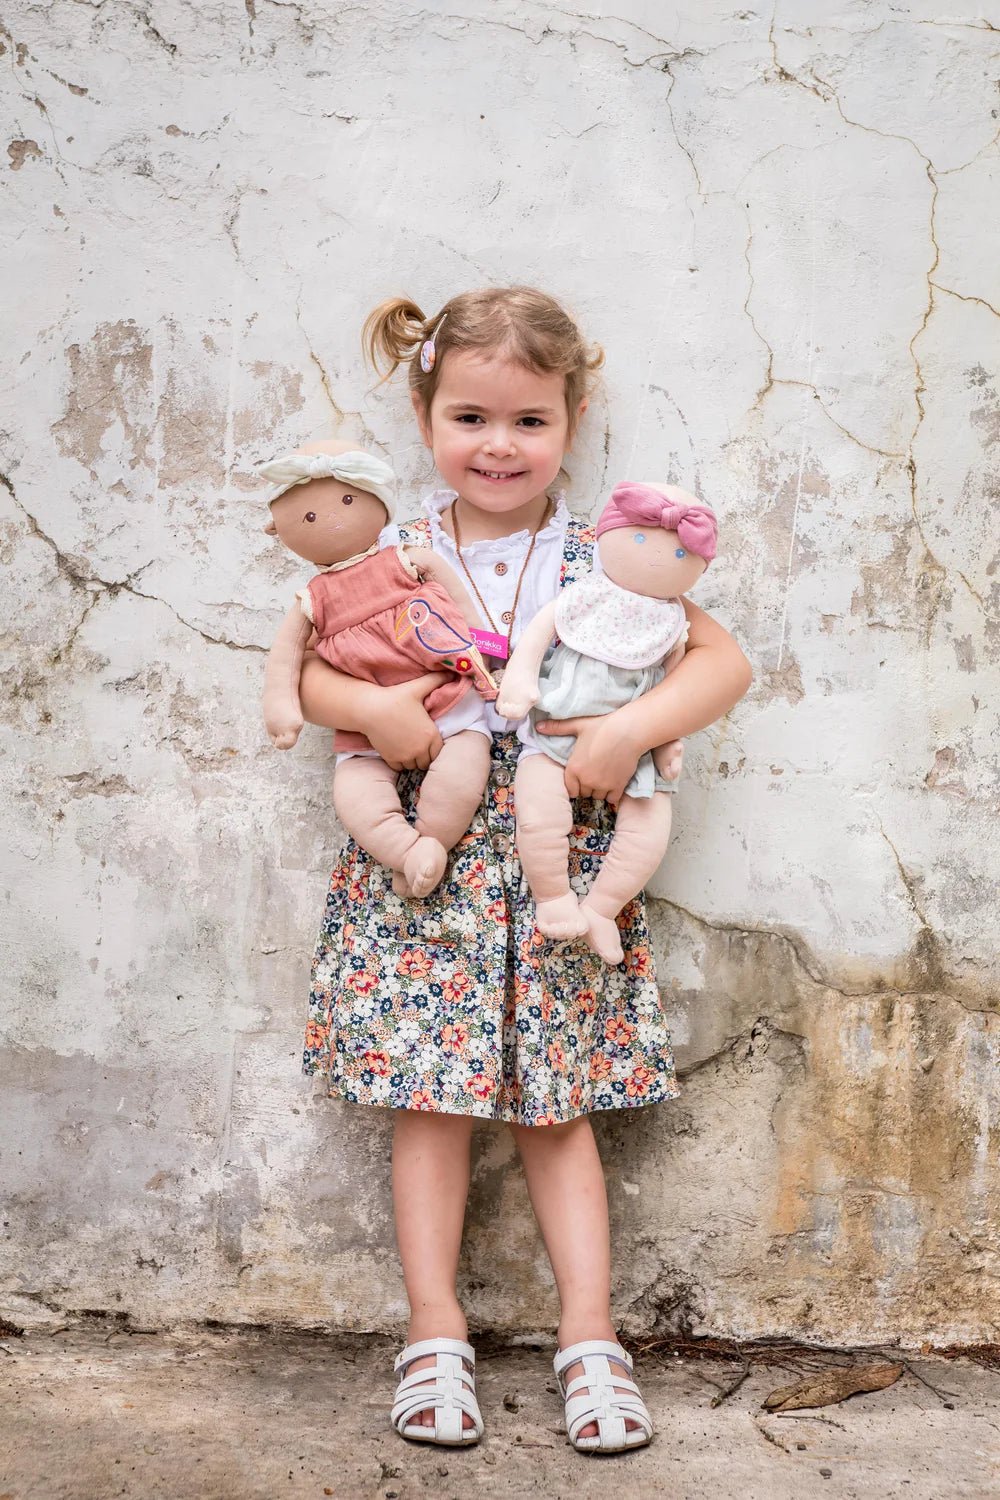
456, 1002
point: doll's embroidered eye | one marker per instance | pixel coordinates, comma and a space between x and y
310, 515
680, 552
639, 538
347, 499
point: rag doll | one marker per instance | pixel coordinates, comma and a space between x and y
617, 630
385, 616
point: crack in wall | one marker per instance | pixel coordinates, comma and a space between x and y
928, 940
966, 297
75, 575
926, 955
933, 568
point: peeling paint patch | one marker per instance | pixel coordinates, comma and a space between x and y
22, 151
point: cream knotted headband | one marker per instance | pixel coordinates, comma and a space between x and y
368, 473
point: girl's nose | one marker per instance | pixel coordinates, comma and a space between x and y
499, 440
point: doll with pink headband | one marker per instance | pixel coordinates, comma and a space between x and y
619, 631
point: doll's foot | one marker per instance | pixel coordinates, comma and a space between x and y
603, 935
422, 868
561, 917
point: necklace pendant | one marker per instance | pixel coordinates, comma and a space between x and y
491, 644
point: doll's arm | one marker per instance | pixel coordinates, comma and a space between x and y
519, 685
669, 758
429, 565
282, 712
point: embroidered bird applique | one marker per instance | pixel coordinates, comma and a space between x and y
442, 640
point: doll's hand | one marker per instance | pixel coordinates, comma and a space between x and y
517, 696
400, 728
284, 728
604, 758
669, 759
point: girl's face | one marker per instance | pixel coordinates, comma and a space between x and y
498, 432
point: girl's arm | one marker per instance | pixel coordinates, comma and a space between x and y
711, 679
393, 718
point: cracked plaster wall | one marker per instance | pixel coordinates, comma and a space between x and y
773, 218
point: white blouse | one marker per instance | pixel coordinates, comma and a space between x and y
496, 564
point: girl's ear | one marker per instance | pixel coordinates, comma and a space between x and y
423, 418
574, 424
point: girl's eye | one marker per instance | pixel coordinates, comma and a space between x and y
469, 417
347, 499
680, 552
532, 421
310, 515
638, 538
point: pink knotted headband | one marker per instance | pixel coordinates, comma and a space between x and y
640, 505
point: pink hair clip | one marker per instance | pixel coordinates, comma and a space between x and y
428, 353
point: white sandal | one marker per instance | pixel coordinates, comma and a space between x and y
592, 1397
447, 1387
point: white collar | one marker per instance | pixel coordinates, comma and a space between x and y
438, 501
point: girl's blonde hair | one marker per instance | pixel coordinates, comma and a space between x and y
519, 322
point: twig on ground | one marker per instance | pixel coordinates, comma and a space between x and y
954, 1395
730, 1390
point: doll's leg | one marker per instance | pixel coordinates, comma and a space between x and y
452, 789
367, 803
642, 832
544, 819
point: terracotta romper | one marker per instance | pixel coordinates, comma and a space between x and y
378, 622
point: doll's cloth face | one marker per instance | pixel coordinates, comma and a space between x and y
648, 560
327, 521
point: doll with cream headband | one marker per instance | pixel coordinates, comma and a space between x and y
618, 630
385, 616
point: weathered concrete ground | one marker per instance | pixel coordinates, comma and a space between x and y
222, 1415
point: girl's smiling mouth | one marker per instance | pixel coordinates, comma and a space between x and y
499, 475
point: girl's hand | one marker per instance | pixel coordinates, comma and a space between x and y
398, 725
604, 759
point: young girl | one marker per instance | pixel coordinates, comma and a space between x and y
454, 1007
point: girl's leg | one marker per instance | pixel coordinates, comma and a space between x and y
430, 1185
566, 1187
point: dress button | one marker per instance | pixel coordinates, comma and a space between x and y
503, 778
507, 616
500, 569
501, 843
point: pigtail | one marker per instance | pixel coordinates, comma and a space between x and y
392, 331
595, 359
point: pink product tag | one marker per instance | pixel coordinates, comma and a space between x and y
490, 644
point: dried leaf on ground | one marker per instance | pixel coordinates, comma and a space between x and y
832, 1386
